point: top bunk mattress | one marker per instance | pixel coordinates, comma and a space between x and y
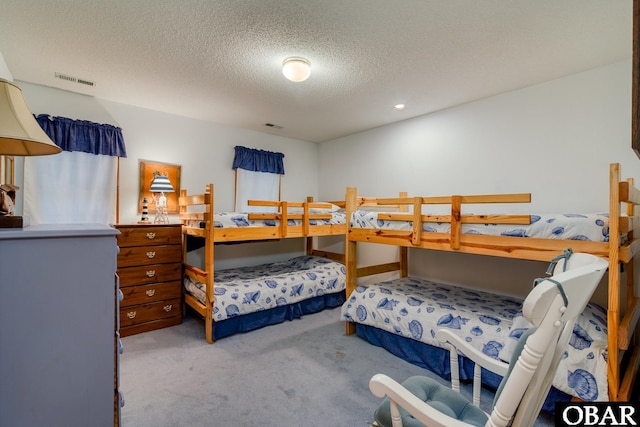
241, 220
586, 227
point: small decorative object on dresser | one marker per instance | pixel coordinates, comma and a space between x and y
144, 219
150, 270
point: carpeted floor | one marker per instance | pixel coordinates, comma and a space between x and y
306, 372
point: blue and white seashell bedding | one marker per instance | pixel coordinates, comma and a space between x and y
590, 227
416, 308
241, 220
246, 290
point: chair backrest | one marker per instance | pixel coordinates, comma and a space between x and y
580, 294
552, 307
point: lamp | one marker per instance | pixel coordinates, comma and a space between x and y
161, 184
20, 135
296, 69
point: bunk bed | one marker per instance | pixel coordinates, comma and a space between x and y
502, 236
244, 299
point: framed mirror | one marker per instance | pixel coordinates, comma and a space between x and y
148, 169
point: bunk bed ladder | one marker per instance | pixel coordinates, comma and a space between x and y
622, 349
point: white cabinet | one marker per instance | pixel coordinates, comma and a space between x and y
57, 326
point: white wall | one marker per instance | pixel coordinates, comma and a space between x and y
204, 150
4, 69
554, 140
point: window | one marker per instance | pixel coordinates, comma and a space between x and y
258, 174
79, 184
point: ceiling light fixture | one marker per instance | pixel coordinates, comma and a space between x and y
296, 69
399, 107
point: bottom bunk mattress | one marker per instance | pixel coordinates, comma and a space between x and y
247, 298
415, 309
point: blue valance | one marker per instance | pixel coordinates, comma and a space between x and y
82, 135
256, 160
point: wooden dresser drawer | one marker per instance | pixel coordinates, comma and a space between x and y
150, 326
144, 294
152, 235
143, 255
143, 313
152, 273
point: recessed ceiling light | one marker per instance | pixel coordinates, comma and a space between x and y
399, 107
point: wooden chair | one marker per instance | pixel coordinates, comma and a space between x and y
552, 307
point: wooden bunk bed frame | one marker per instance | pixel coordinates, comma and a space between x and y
204, 205
623, 354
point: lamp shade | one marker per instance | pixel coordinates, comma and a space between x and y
296, 69
161, 184
20, 133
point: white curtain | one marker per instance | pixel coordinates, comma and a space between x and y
70, 188
256, 186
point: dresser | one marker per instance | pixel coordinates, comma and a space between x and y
150, 271
58, 358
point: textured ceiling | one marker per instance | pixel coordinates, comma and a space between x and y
220, 60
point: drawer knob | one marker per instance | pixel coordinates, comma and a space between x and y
151, 254
167, 307
151, 292
151, 236
131, 315
151, 273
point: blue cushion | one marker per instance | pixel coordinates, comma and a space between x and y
440, 397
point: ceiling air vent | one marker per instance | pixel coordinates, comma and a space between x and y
86, 82
74, 79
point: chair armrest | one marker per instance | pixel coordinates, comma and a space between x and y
497, 366
381, 385
480, 359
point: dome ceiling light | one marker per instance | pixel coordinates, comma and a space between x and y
296, 69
